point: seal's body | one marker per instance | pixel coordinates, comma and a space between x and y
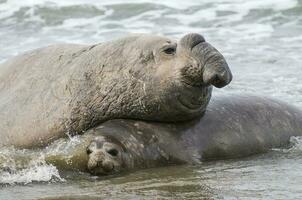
68, 88
232, 127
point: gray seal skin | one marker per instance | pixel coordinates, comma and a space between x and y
68, 88
233, 127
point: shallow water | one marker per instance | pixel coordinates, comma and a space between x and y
275, 175
262, 41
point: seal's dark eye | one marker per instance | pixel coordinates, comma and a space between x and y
88, 151
170, 50
113, 152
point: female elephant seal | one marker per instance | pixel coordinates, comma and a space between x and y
232, 127
70, 88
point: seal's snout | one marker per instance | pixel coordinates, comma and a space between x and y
207, 65
105, 156
99, 163
218, 76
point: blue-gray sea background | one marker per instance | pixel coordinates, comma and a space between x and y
262, 42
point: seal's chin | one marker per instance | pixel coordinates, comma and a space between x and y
187, 104
194, 99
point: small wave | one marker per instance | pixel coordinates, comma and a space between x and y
295, 145
37, 171
25, 166
63, 145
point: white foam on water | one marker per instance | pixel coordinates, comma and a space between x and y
292, 39
62, 146
25, 166
296, 142
243, 6
295, 145
36, 171
181, 17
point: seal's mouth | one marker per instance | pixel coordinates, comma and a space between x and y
188, 104
101, 171
195, 98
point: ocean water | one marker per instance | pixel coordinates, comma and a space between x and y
262, 42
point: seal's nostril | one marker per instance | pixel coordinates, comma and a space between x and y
219, 81
217, 75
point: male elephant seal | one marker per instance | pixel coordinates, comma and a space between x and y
70, 88
232, 127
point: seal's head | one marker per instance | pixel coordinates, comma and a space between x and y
106, 155
120, 145
168, 80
